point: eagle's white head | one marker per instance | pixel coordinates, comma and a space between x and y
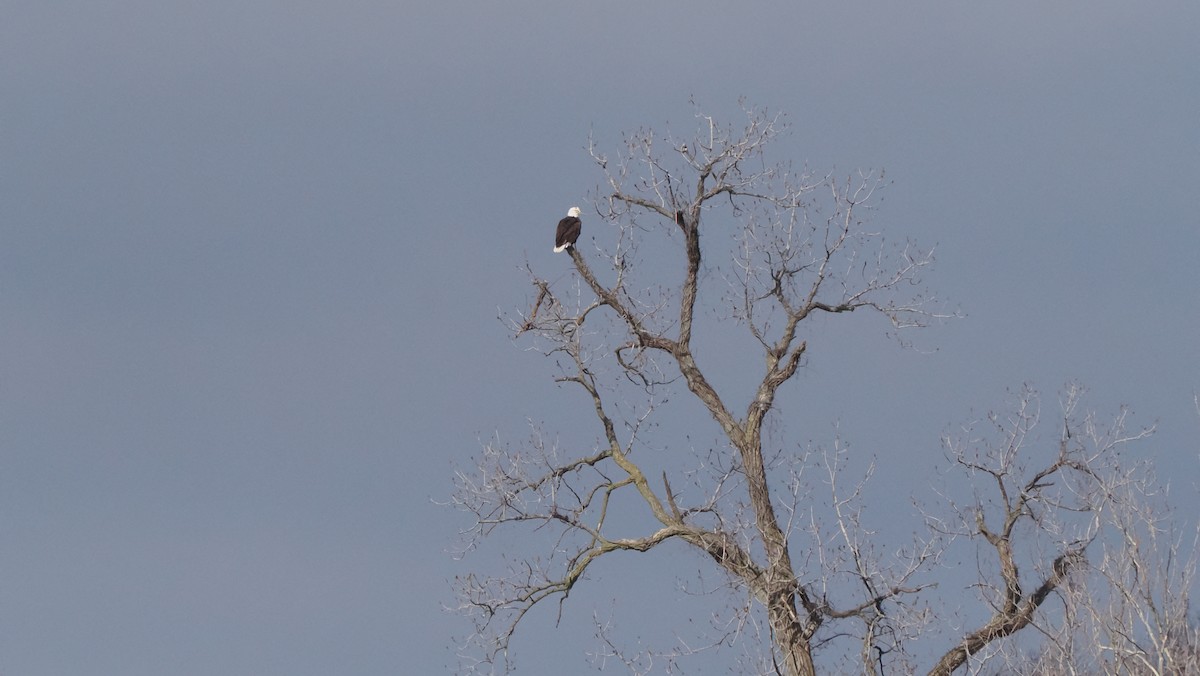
574, 212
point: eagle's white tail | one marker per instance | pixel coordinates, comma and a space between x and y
560, 249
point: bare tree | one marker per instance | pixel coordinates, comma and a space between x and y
780, 247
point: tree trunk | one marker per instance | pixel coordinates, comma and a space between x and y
790, 640
781, 586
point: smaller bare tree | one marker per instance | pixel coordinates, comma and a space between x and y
1127, 610
1092, 529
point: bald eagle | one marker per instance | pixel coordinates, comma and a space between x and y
568, 230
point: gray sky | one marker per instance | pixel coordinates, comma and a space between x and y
252, 254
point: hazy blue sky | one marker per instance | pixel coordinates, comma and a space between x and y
252, 254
